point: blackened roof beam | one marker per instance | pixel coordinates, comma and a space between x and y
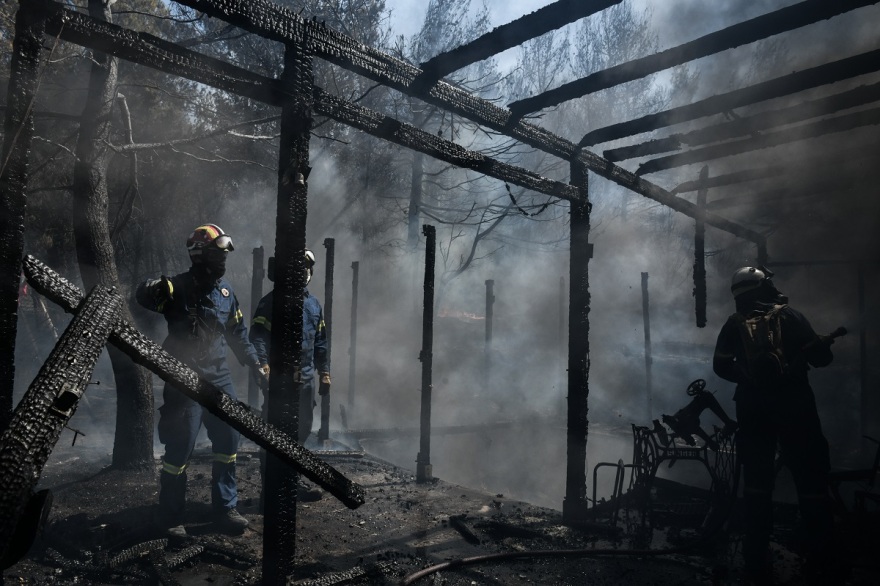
841, 123
506, 36
774, 23
820, 75
840, 162
274, 22
749, 125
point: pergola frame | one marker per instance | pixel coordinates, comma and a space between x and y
298, 97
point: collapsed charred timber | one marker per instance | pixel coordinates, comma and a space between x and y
832, 125
150, 355
507, 36
785, 85
743, 33
45, 409
750, 125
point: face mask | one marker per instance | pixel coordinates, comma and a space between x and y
212, 263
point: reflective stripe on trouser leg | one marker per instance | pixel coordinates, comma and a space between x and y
172, 491
224, 492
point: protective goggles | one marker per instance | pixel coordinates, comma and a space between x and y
224, 242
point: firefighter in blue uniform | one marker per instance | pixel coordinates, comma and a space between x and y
314, 358
203, 317
775, 404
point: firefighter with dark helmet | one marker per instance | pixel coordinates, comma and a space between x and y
314, 360
766, 348
204, 318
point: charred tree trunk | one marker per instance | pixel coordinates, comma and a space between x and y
133, 444
18, 130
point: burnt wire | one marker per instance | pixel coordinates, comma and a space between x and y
522, 211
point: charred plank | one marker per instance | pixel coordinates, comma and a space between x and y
42, 413
150, 355
840, 123
774, 88
743, 33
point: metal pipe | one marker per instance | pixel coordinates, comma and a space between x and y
352, 337
330, 245
257, 275
426, 356
648, 358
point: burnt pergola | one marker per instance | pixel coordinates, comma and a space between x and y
295, 92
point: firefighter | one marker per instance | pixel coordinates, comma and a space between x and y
203, 317
313, 359
766, 348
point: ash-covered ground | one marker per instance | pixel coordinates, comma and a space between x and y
100, 531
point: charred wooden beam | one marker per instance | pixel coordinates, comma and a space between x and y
774, 88
18, 133
150, 355
329, 264
751, 125
506, 36
843, 162
409, 136
280, 483
700, 252
840, 123
743, 33
278, 23
42, 413
426, 357
574, 507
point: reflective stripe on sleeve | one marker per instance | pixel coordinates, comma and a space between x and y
263, 321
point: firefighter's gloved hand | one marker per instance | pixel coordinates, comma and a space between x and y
324, 383
261, 374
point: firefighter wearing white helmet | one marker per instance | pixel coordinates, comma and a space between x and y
204, 318
766, 348
314, 360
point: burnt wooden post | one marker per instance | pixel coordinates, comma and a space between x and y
561, 360
649, 359
280, 483
574, 507
426, 356
700, 249
490, 316
864, 402
18, 133
256, 294
330, 245
352, 334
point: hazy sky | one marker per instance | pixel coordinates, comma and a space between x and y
407, 15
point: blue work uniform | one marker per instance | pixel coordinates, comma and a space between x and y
202, 321
314, 358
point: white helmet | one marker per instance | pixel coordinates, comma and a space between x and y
310, 263
748, 279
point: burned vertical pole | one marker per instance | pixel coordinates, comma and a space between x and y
864, 403
649, 359
490, 316
18, 132
700, 249
561, 370
574, 507
426, 356
352, 333
256, 294
330, 245
282, 406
